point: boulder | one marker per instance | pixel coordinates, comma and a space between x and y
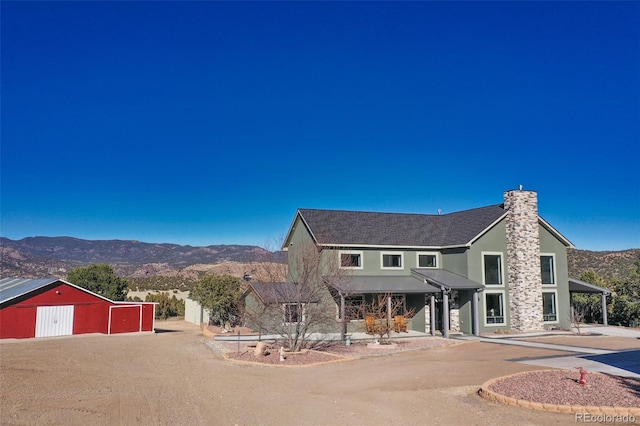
261, 350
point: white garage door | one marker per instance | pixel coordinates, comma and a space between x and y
54, 321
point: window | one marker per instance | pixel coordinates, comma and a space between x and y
350, 259
492, 264
354, 307
494, 308
292, 313
547, 269
427, 260
391, 260
549, 313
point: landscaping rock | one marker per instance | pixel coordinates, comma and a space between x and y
261, 350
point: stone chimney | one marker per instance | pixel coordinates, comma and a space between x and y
523, 260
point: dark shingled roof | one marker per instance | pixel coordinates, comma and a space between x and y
284, 292
340, 227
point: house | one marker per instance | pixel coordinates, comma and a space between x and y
268, 306
499, 267
50, 307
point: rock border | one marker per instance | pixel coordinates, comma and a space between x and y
223, 352
490, 395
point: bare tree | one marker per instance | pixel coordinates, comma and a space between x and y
294, 299
380, 312
577, 318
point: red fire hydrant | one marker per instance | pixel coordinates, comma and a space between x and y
583, 376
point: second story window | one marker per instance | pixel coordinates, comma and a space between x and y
427, 260
492, 263
391, 260
350, 259
547, 270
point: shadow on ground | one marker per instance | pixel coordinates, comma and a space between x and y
164, 330
626, 360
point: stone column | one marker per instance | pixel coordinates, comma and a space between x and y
427, 316
523, 260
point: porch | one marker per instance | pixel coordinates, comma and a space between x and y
418, 290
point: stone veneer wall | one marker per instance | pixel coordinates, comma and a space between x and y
427, 314
523, 260
454, 319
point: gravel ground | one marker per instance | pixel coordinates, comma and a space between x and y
173, 377
552, 387
561, 387
330, 353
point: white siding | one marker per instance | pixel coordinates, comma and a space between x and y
54, 321
194, 313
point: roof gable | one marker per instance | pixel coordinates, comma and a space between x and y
283, 292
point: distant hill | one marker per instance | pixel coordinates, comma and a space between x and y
610, 264
55, 256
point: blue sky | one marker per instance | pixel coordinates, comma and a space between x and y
211, 122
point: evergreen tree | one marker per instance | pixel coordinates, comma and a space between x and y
100, 279
220, 294
589, 305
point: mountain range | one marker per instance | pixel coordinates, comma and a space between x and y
56, 256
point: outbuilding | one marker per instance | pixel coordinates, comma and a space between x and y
50, 307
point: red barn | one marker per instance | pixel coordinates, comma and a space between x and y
52, 307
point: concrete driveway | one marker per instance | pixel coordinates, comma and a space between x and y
618, 362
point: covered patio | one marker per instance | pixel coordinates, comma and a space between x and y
446, 282
431, 282
578, 286
344, 291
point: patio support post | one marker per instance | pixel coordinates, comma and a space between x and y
432, 314
445, 313
476, 316
343, 325
603, 296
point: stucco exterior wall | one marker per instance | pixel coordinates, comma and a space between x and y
493, 241
455, 260
549, 244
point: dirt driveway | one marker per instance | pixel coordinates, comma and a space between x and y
174, 378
